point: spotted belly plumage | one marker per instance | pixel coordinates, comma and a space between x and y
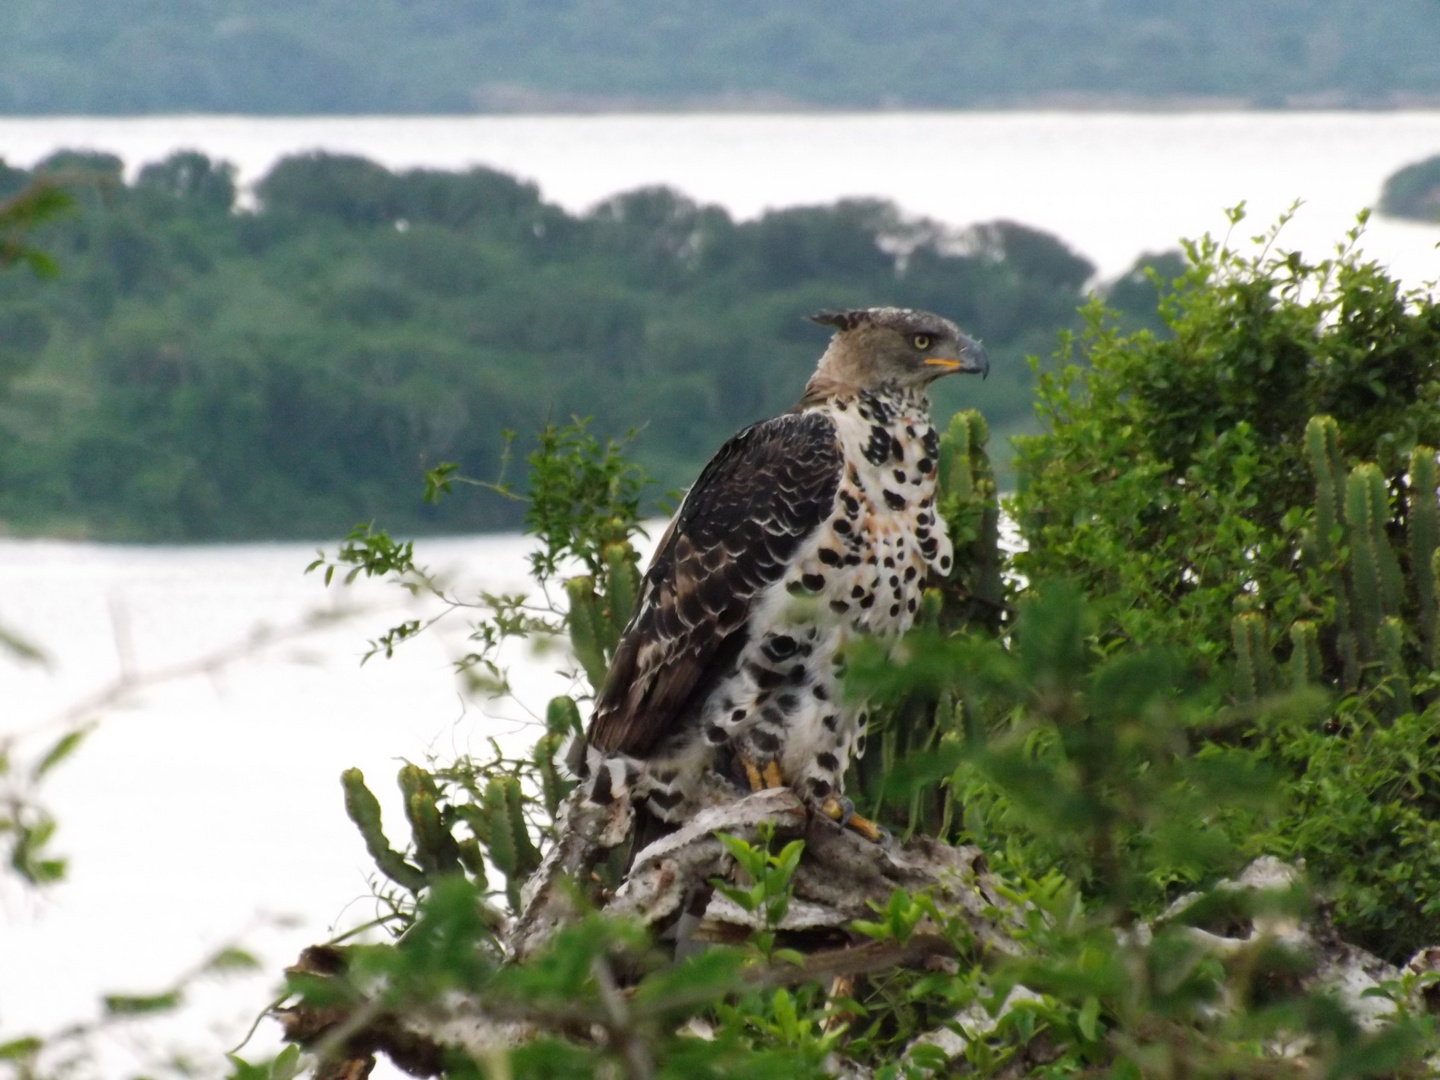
845, 546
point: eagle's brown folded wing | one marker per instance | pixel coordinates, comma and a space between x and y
765, 491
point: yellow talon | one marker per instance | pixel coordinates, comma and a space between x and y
836, 810
757, 782
760, 781
866, 828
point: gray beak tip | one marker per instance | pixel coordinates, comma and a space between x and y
976, 357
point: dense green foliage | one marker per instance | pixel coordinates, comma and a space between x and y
201, 373
1098, 777
1224, 645
1414, 191
1258, 489
257, 56
42, 200
1222, 641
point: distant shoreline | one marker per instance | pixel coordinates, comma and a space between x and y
446, 57
1083, 105
1088, 175
407, 289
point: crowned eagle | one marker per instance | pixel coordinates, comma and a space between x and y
802, 531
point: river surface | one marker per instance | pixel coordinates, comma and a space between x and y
1113, 185
206, 806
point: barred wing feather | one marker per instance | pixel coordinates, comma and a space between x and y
761, 496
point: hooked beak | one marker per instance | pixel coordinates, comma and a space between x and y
973, 358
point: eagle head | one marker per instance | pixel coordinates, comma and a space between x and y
874, 347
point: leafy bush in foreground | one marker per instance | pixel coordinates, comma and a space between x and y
1112, 735
1102, 774
1258, 490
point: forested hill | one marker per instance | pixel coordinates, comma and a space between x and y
198, 373
259, 56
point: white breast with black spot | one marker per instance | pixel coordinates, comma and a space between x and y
863, 571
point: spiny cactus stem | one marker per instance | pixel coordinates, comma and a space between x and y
1305, 664
1423, 523
1252, 656
588, 631
1366, 588
364, 810
1392, 644
1322, 448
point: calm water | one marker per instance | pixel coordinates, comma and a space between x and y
210, 804
212, 798
1112, 184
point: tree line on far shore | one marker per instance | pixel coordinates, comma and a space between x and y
450, 56
196, 371
1414, 191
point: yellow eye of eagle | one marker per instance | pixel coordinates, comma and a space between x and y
921, 341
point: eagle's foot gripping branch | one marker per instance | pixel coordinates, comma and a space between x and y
762, 779
842, 811
838, 809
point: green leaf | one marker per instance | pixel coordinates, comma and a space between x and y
20, 1049
750, 858
136, 1005
928, 1056
287, 1064
878, 931
440, 481
61, 750
240, 1069
19, 648
745, 898
785, 1016
232, 959
789, 858
1088, 1020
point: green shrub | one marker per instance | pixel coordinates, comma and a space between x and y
1257, 490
